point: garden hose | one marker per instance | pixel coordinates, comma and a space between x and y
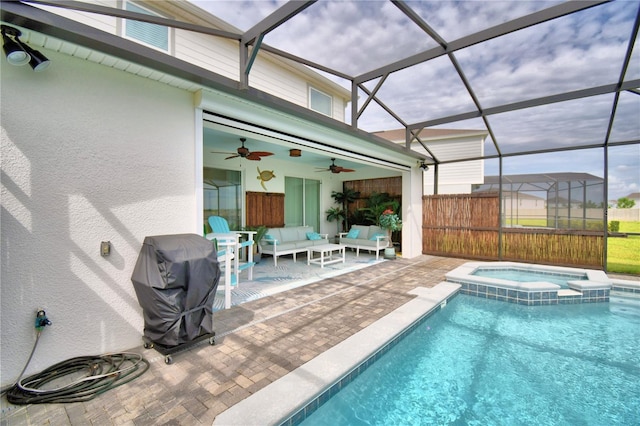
86, 376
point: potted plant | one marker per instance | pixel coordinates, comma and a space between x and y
390, 221
337, 214
377, 203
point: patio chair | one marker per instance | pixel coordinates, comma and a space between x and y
232, 241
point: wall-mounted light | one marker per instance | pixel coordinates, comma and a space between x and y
18, 53
295, 153
424, 166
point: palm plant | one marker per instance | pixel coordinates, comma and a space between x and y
377, 204
337, 214
344, 198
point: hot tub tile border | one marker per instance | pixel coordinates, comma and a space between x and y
532, 298
595, 289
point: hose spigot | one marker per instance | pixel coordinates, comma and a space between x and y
41, 320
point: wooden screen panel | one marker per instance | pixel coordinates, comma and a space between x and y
265, 208
366, 187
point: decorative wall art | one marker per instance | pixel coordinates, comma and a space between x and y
265, 176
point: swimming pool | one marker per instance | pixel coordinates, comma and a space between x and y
479, 362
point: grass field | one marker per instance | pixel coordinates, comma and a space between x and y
623, 254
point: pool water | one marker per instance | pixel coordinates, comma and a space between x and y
485, 362
522, 275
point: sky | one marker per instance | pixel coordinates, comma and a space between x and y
576, 52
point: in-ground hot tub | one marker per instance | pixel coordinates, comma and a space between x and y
529, 284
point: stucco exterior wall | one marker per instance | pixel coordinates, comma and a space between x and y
88, 154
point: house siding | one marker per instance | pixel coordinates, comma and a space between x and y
100, 22
221, 56
456, 178
209, 52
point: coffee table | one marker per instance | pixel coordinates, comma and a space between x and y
329, 253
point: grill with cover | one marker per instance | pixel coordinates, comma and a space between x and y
175, 279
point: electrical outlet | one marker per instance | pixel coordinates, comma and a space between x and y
105, 248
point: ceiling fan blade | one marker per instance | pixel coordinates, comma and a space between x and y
253, 157
233, 156
222, 152
336, 169
257, 155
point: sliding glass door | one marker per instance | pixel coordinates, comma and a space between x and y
302, 202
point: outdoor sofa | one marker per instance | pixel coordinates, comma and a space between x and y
365, 237
290, 240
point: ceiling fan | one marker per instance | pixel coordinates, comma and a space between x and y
334, 169
243, 152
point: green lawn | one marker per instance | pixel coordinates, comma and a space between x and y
630, 227
623, 254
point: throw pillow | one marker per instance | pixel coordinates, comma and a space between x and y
270, 240
377, 234
353, 233
313, 236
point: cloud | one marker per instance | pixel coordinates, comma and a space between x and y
351, 37
242, 14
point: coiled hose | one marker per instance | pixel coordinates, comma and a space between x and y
86, 378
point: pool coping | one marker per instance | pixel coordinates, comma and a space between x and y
280, 400
626, 286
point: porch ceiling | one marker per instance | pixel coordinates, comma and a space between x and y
215, 139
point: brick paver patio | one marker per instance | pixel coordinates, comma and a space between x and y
257, 343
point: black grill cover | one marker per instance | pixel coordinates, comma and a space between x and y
175, 279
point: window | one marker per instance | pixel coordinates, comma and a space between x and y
320, 102
302, 202
152, 35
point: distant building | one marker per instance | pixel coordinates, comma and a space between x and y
444, 145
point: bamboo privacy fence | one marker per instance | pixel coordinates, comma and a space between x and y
468, 225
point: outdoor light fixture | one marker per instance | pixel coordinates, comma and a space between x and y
423, 166
18, 53
38, 61
15, 54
